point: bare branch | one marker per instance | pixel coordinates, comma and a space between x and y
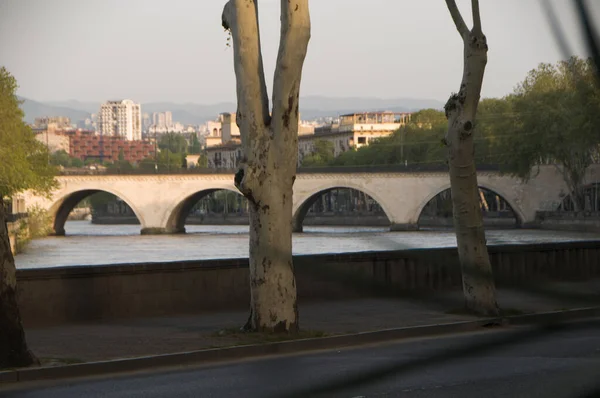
459, 22
476, 16
295, 35
241, 18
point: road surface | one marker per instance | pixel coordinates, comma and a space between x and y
563, 364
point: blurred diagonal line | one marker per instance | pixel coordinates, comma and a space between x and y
559, 35
589, 33
362, 378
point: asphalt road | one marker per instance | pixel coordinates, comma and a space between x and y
564, 364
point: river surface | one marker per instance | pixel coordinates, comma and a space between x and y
91, 244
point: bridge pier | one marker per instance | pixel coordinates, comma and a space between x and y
161, 231
404, 227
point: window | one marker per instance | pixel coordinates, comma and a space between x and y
362, 140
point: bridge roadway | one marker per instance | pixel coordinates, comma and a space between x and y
162, 202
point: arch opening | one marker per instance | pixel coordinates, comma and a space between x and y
209, 207
340, 206
497, 212
589, 200
96, 206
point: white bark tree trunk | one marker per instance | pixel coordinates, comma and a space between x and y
13, 347
270, 143
461, 109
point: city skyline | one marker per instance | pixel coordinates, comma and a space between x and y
154, 51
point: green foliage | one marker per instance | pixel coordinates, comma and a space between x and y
122, 166
164, 161
427, 118
62, 158
555, 119
416, 143
76, 162
24, 162
203, 160
195, 146
39, 222
322, 154
174, 142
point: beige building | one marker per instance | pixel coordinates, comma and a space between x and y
225, 156
53, 123
353, 131
121, 119
230, 129
55, 140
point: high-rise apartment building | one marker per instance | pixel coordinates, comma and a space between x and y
121, 119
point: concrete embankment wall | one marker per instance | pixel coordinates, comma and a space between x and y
317, 220
569, 221
51, 296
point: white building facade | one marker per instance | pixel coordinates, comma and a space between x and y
121, 118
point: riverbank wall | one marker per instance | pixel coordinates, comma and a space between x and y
581, 221
356, 220
54, 296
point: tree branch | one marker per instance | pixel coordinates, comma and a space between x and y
295, 35
240, 17
459, 22
476, 16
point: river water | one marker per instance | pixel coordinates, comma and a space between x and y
90, 244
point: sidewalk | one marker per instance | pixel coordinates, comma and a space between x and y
143, 337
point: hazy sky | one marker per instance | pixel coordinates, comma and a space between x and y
175, 50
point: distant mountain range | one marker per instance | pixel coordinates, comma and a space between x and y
312, 107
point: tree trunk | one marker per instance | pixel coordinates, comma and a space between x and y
13, 347
461, 109
272, 281
268, 168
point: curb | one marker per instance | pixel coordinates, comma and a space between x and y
285, 347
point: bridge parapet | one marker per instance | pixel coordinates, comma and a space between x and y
160, 200
396, 168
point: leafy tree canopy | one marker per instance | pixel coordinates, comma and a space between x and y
174, 142
24, 160
322, 155
553, 117
165, 161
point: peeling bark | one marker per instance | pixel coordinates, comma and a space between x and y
461, 110
270, 144
13, 347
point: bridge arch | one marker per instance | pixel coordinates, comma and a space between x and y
177, 215
519, 215
60, 210
590, 196
303, 204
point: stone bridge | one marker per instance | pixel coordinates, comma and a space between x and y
162, 202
